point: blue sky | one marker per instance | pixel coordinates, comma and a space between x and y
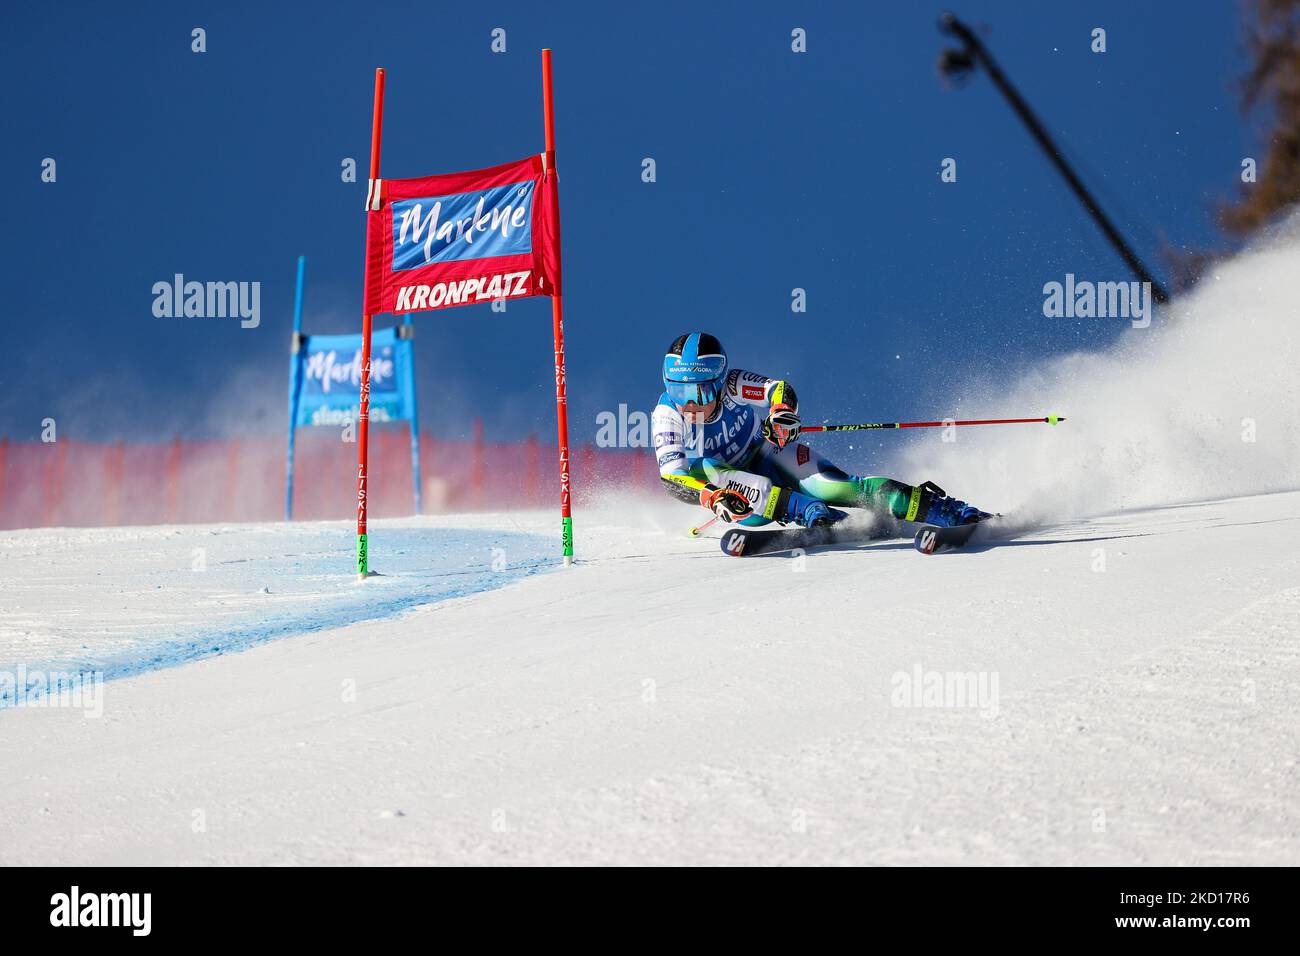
775, 170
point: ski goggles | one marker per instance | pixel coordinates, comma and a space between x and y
697, 393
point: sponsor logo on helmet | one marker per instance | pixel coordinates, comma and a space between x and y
694, 368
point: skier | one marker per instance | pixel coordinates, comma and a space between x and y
729, 441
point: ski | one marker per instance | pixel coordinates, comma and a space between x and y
747, 542
931, 539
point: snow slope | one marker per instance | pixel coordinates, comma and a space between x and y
126, 600
660, 703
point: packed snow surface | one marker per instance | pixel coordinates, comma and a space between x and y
1117, 690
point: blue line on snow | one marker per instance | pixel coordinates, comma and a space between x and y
421, 567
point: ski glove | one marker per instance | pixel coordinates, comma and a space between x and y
782, 425
728, 505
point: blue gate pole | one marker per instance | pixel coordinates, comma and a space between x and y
295, 386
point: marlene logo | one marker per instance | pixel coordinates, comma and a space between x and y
474, 225
325, 369
723, 432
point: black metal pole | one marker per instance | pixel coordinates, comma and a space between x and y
978, 53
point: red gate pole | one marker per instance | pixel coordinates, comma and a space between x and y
557, 327
367, 323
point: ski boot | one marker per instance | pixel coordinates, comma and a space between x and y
808, 512
945, 512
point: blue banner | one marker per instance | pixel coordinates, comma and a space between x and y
472, 225
329, 379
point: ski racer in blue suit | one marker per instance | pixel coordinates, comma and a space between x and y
728, 440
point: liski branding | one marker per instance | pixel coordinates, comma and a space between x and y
473, 225
133, 910
414, 298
